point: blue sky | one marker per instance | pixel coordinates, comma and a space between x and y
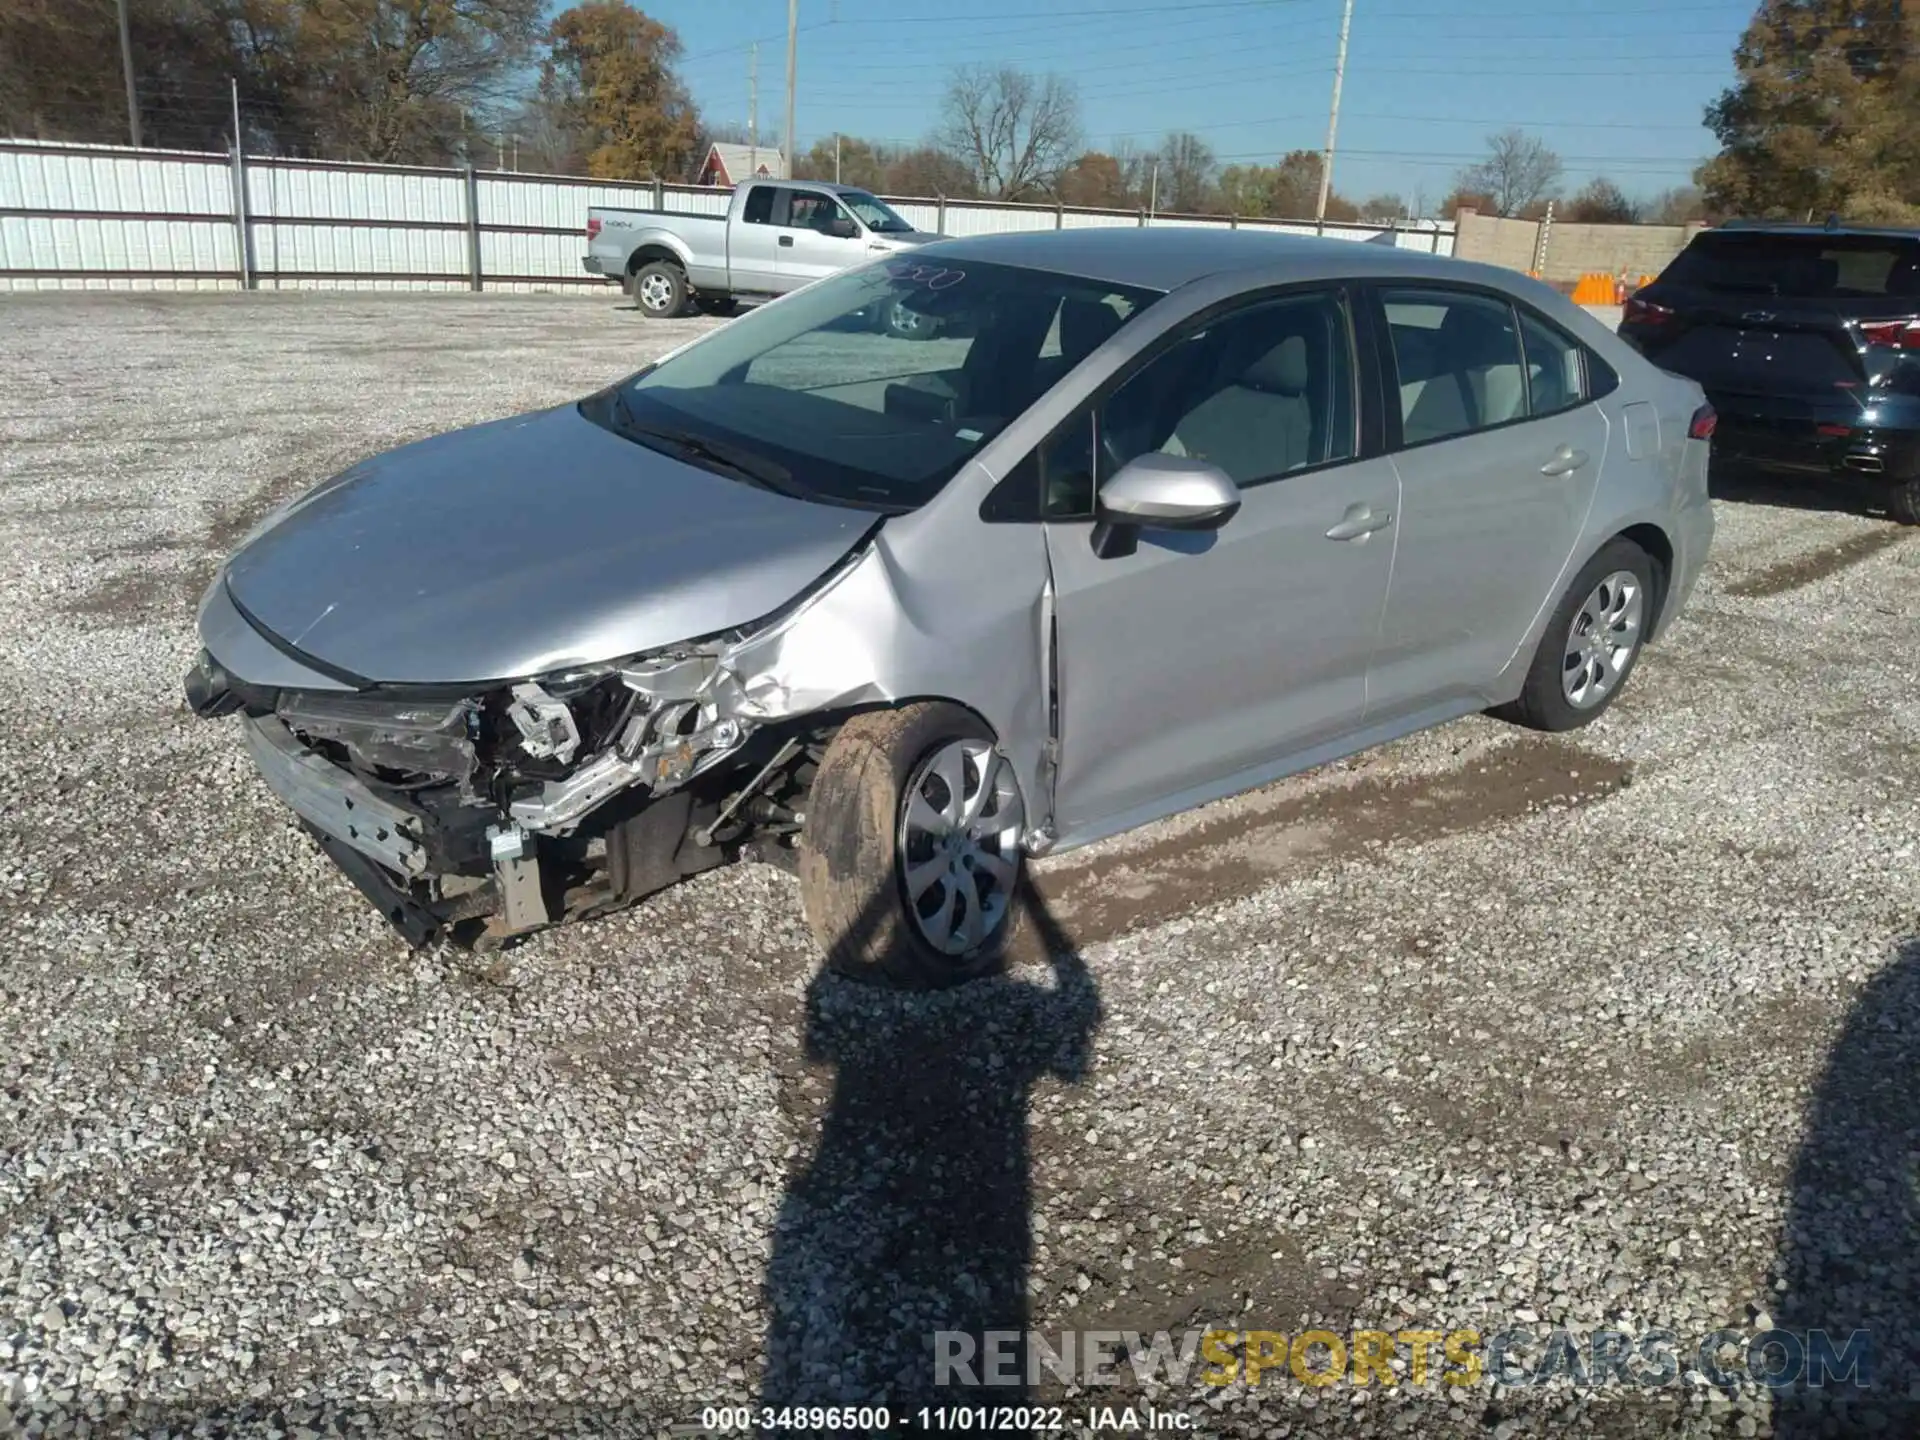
1617, 91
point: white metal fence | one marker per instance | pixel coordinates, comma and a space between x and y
110, 217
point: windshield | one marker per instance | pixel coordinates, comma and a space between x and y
873, 387
874, 213
1803, 267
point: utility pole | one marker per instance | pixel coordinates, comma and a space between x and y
1333, 120
753, 109
126, 68
1153, 191
836, 157
793, 45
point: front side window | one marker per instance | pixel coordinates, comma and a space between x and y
875, 214
813, 211
821, 396
1457, 360
1260, 392
1556, 374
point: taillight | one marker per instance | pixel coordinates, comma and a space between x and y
593, 226
1701, 426
1645, 312
1900, 334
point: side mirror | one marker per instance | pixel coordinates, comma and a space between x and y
1160, 492
842, 228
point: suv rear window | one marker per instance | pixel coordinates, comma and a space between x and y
1802, 267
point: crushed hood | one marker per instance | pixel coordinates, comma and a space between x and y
525, 546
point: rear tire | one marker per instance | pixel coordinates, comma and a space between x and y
867, 844
1903, 502
720, 306
660, 290
1591, 643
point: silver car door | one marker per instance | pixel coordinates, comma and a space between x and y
1498, 459
1201, 656
808, 248
753, 244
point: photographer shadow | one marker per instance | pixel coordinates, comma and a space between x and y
1850, 1251
908, 1234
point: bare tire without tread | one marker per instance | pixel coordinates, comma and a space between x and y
1544, 702
853, 852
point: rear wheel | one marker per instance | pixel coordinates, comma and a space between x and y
1903, 502
910, 862
1590, 644
660, 290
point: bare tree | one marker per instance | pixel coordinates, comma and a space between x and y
1015, 131
1519, 171
1186, 173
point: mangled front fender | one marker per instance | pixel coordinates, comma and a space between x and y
875, 631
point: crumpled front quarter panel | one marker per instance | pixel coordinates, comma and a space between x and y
942, 606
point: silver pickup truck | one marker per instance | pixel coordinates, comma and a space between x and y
776, 236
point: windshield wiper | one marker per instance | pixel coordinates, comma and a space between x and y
768, 474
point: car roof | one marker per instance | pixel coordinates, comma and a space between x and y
1169, 256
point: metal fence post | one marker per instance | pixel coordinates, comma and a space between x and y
659, 193
940, 220
1143, 217
1059, 215
473, 227
242, 227
1233, 222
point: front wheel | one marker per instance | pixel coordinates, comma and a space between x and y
910, 861
908, 324
660, 290
1590, 644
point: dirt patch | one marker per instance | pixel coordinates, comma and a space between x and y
136, 596
1238, 854
1803, 570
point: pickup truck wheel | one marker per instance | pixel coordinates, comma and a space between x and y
660, 290
905, 324
910, 860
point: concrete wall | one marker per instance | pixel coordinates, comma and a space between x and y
1572, 250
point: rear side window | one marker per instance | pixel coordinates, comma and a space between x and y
1458, 362
1556, 372
1800, 267
760, 205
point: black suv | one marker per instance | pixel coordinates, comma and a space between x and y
1806, 339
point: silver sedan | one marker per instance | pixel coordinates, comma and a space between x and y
1124, 522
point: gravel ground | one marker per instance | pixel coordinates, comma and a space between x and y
1484, 1029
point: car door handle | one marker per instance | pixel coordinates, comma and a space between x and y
786, 240
1565, 461
1359, 522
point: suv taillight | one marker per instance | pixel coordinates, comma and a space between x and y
1901, 334
593, 226
1645, 312
1701, 426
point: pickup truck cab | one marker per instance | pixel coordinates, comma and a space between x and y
776, 236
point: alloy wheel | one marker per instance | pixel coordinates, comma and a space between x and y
1602, 640
960, 844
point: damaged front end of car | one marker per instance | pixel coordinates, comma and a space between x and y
492, 814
